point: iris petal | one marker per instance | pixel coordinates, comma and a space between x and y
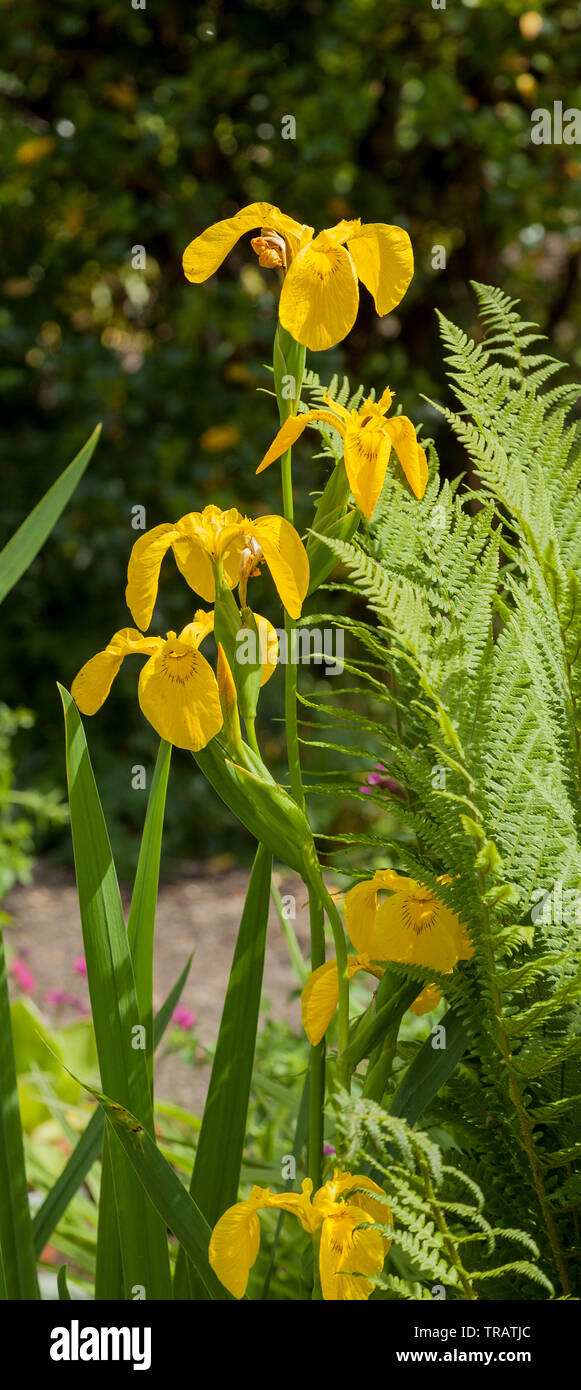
347, 1254
178, 693
203, 255
384, 261
399, 940
93, 683
234, 1245
410, 454
286, 558
319, 297
366, 456
143, 571
321, 993
196, 566
293, 428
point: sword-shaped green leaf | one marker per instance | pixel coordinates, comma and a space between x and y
216, 1174
26, 542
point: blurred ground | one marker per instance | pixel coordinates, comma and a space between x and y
200, 913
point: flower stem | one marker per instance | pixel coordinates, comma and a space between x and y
294, 950
289, 355
290, 670
334, 916
317, 1062
249, 724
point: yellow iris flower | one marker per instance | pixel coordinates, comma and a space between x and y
201, 540
320, 293
178, 691
349, 1249
412, 927
368, 439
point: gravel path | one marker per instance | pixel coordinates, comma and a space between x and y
197, 913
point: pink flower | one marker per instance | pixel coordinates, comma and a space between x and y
61, 997
380, 779
80, 966
328, 1149
23, 976
184, 1018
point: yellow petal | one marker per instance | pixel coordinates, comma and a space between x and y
360, 907
143, 571
195, 632
93, 683
268, 642
234, 1245
389, 880
196, 566
365, 1194
178, 693
401, 936
366, 454
410, 454
426, 1001
286, 558
346, 1255
298, 1204
458, 932
320, 996
385, 401
293, 428
384, 261
319, 297
203, 255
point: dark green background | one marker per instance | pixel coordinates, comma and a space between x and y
125, 127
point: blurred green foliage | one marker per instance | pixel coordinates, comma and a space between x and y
22, 813
124, 127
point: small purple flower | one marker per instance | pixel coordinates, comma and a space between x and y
80, 966
23, 976
184, 1018
380, 779
328, 1149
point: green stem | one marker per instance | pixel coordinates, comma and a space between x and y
319, 898
317, 1062
381, 1058
334, 916
250, 726
294, 950
290, 670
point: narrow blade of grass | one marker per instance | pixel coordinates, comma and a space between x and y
216, 1174
16, 1244
117, 1024
26, 542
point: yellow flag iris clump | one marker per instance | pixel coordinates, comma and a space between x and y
411, 927
342, 1217
212, 541
368, 439
215, 714
320, 294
